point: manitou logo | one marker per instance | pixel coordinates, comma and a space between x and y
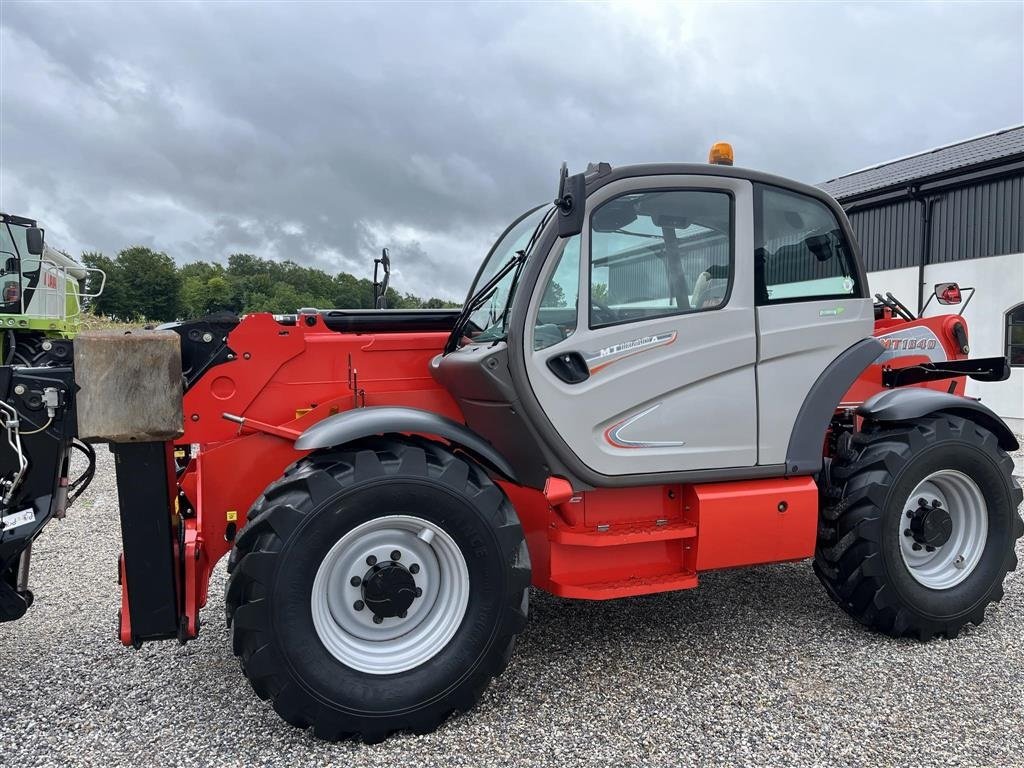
611, 354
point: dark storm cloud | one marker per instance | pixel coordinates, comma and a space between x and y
321, 132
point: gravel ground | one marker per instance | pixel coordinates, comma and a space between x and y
754, 667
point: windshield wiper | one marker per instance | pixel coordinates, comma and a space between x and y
483, 295
478, 299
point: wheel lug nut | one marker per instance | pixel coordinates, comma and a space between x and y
414, 568
419, 592
355, 581
910, 513
936, 503
396, 555
922, 502
929, 548
916, 547
371, 560
358, 605
907, 532
403, 614
378, 619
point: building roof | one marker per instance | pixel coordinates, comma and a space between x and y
952, 159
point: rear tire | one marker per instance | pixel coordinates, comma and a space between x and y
292, 592
874, 555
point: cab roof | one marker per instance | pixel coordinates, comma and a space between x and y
599, 174
19, 220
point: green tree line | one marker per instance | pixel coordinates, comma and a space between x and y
146, 284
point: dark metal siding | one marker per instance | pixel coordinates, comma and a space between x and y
889, 235
981, 220
969, 222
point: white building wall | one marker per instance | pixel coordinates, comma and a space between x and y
999, 281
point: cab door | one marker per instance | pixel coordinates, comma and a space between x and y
812, 304
640, 340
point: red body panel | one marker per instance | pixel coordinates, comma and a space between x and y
756, 521
940, 344
597, 544
282, 380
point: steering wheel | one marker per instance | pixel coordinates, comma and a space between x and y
602, 312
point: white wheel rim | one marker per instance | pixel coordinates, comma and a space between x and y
433, 561
945, 566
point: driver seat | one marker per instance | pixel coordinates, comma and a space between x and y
710, 286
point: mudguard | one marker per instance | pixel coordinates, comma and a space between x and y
905, 404
379, 420
803, 456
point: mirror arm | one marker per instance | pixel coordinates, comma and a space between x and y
967, 300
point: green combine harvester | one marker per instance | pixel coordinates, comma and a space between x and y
41, 291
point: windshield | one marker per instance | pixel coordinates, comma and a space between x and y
491, 317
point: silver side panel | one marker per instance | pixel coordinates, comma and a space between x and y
797, 342
668, 394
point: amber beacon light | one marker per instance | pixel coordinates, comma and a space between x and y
720, 154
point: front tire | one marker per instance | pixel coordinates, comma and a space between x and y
919, 526
377, 587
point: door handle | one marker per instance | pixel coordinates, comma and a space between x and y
570, 367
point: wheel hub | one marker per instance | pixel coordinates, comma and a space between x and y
931, 525
944, 529
390, 594
388, 589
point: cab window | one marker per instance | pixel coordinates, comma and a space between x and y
8, 249
659, 253
801, 253
556, 317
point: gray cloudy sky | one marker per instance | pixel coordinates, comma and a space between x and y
320, 132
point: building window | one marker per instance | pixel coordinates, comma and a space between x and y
1015, 336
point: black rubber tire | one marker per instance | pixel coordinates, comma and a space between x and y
858, 552
298, 519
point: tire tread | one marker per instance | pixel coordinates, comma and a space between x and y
276, 515
848, 558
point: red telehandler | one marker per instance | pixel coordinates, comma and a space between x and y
669, 370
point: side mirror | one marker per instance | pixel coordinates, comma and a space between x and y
34, 239
571, 202
948, 293
380, 287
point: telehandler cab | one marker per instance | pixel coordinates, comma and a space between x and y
670, 370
